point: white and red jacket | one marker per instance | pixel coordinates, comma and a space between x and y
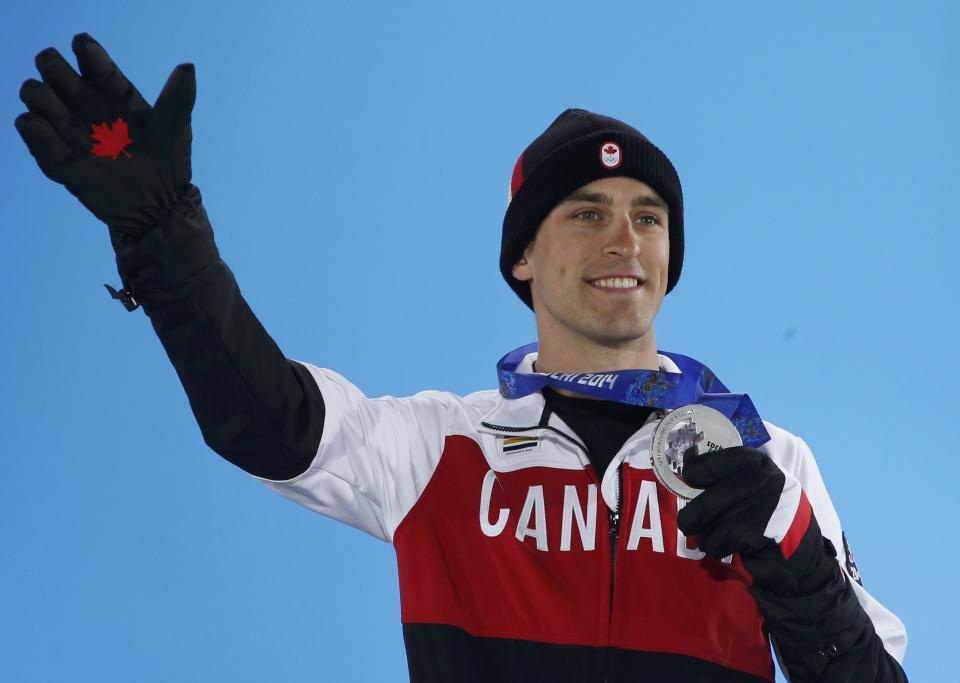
502, 531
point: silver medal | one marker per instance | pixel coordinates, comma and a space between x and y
690, 429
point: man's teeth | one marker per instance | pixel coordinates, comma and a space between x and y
617, 282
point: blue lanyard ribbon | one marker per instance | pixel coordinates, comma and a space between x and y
695, 383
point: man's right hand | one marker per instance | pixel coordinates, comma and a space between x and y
74, 131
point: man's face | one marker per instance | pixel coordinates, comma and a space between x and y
610, 228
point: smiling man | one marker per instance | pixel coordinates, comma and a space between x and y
533, 541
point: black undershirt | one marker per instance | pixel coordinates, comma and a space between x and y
602, 426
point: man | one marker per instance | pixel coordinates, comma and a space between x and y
509, 568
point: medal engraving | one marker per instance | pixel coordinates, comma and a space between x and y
690, 430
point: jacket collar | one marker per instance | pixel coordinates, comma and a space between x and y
530, 413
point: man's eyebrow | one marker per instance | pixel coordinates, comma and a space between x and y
644, 200
592, 197
600, 198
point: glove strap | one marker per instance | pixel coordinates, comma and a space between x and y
125, 296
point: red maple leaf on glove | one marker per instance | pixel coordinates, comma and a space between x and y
111, 139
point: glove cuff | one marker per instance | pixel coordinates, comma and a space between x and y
173, 258
812, 629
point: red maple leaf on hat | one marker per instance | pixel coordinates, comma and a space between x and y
610, 149
111, 139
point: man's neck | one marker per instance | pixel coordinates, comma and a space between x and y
570, 356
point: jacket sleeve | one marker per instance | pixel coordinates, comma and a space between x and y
375, 455
306, 432
257, 409
837, 631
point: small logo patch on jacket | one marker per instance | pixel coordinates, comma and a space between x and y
513, 445
852, 568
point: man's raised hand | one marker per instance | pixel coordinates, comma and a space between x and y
95, 134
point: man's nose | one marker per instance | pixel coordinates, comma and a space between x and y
623, 241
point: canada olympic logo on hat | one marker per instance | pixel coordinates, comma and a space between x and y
610, 154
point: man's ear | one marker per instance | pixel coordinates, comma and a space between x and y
521, 270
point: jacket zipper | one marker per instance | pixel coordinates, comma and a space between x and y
615, 533
614, 523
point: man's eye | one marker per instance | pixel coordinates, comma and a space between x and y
649, 219
588, 214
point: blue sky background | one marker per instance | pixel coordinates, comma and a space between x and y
354, 159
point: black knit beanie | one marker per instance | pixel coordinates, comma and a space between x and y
576, 149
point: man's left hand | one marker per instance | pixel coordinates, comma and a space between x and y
752, 507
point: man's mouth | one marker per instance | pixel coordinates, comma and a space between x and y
616, 283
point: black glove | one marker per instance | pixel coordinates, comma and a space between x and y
752, 507
131, 185
127, 162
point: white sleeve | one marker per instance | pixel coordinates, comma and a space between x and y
793, 454
375, 455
